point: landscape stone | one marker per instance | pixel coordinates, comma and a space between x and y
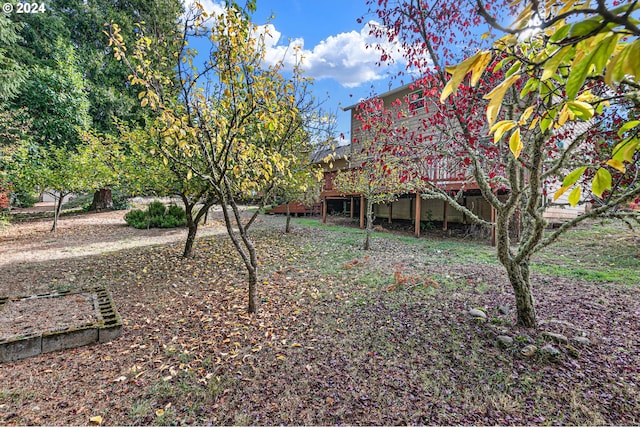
479, 314
504, 341
559, 338
581, 340
504, 309
574, 352
529, 350
550, 351
524, 338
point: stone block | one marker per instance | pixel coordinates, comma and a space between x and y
20, 347
68, 338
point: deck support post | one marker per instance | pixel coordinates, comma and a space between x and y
445, 223
352, 208
390, 212
361, 211
418, 214
324, 210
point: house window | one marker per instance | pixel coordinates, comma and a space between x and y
416, 100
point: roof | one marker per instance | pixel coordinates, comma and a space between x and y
382, 95
340, 152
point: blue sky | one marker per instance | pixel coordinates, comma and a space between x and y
334, 47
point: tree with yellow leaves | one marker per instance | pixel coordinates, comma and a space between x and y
233, 121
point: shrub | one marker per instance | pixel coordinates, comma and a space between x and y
24, 199
156, 216
177, 212
120, 201
137, 218
156, 208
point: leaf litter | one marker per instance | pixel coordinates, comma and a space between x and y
335, 341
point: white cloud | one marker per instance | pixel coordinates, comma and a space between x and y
211, 7
343, 57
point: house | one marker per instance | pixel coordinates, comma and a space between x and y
449, 173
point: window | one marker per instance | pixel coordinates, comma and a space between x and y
416, 100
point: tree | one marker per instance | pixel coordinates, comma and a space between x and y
79, 23
12, 75
301, 183
378, 159
130, 162
56, 171
542, 120
234, 123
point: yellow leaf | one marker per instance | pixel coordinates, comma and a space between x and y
583, 110
565, 114
574, 196
159, 412
601, 182
479, 66
515, 143
551, 65
144, 102
496, 96
617, 164
525, 115
97, 420
559, 193
189, 174
458, 72
500, 128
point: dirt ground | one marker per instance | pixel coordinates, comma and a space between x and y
334, 342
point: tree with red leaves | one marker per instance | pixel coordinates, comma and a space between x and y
512, 119
378, 159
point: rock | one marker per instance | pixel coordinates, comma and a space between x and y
581, 340
550, 351
503, 309
478, 314
574, 352
504, 341
529, 350
526, 339
559, 338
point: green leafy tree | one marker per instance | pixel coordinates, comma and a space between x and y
106, 89
12, 74
57, 171
55, 98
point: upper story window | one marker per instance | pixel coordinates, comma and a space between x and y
416, 100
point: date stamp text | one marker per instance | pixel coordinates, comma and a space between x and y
24, 8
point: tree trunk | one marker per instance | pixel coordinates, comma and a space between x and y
521, 284
287, 227
102, 200
517, 270
367, 240
243, 245
193, 222
253, 297
56, 212
191, 237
